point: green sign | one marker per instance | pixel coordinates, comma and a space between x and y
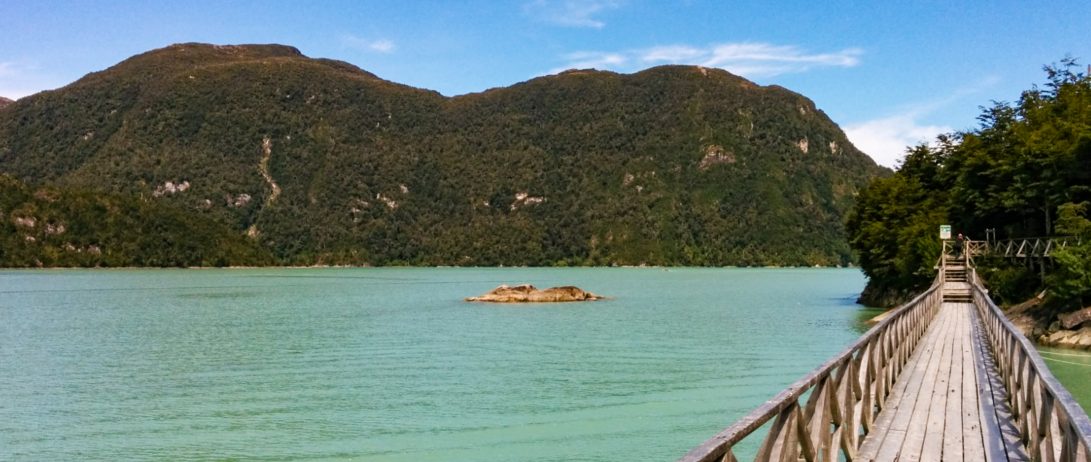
944, 231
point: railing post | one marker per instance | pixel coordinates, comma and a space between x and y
839, 414
1043, 410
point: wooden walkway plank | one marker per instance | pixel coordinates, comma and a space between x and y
953, 437
869, 448
924, 385
999, 430
936, 431
973, 442
949, 402
990, 429
932, 397
913, 375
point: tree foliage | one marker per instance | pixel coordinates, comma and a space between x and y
52, 227
894, 222
1025, 171
673, 165
1071, 282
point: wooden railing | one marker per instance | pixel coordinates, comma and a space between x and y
1031, 247
956, 253
1050, 421
843, 396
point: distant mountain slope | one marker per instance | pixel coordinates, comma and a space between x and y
4, 102
46, 226
319, 161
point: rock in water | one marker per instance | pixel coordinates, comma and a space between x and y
1075, 318
1076, 339
526, 293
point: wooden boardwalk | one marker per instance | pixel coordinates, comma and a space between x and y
945, 377
949, 402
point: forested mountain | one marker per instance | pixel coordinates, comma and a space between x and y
4, 102
52, 227
1025, 172
317, 161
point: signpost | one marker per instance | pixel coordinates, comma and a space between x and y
945, 232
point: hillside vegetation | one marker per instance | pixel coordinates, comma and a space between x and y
1025, 171
51, 227
317, 161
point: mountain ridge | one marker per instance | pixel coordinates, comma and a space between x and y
319, 161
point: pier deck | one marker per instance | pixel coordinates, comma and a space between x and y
944, 377
949, 403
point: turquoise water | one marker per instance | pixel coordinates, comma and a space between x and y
391, 365
1073, 369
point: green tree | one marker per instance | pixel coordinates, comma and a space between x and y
1071, 280
1025, 171
894, 228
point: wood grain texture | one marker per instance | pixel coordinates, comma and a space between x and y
944, 377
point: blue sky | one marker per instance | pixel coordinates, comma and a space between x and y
890, 73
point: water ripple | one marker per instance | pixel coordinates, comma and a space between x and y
390, 364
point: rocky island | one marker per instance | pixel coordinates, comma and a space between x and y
526, 293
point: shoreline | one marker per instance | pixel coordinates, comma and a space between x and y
24, 268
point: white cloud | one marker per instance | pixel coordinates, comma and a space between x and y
7, 69
21, 79
766, 60
747, 59
886, 139
384, 46
592, 60
570, 13
14, 93
670, 54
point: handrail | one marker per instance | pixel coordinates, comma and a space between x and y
974, 248
962, 251
1052, 424
838, 412
1031, 246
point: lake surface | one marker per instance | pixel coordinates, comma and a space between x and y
390, 364
1073, 369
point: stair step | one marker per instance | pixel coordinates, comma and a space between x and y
958, 297
955, 275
